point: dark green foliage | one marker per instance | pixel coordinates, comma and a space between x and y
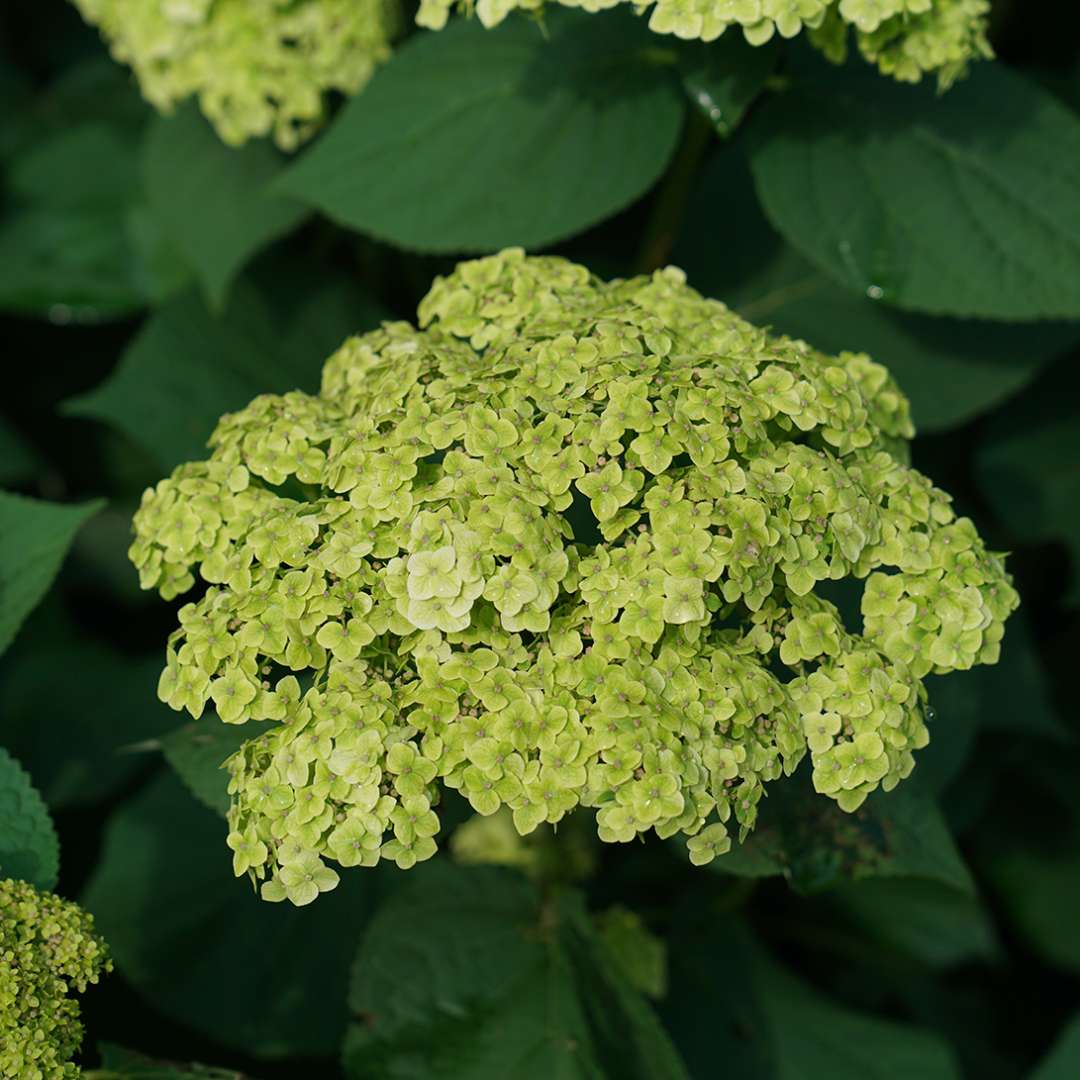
152, 279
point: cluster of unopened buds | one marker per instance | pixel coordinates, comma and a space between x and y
564, 545
48, 948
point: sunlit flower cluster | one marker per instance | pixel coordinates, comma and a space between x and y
565, 545
257, 67
905, 38
47, 949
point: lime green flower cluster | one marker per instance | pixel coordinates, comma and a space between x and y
905, 38
47, 948
256, 66
558, 548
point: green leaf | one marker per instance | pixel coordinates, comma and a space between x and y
1029, 469
816, 845
641, 957
1012, 695
105, 701
29, 850
734, 1012
1038, 888
75, 243
118, 1063
951, 369
933, 923
961, 204
724, 78
186, 368
71, 249
474, 139
1063, 1061
213, 200
199, 944
18, 460
710, 1010
34, 537
812, 1037
197, 751
469, 972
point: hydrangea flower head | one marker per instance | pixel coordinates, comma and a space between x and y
561, 546
257, 67
47, 949
904, 38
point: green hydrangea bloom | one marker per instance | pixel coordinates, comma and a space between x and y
904, 38
257, 67
556, 548
47, 949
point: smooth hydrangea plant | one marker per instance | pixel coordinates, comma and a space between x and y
257, 67
48, 948
561, 546
904, 38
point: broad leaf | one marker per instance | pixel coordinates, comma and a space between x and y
1038, 889
34, 537
1063, 1061
119, 1063
186, 368
197, 751
1011, 695
814, 844
474, 139
723, 78
1029, 469
29, 850
734, 1012
951, 369
933, 923
202, 947
18, 459
75, 243
961, 204
75, 734
470, 972
212, 200
812, 1037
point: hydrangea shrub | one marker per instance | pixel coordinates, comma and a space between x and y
561, 545
904, 38
257, 67
47, 949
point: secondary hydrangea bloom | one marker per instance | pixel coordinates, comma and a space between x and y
905, 38
47, 949
559, 547
257, 67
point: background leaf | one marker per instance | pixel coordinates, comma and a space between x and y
1030, 471
105, 701
212, 200
203, 948
1063, 1061
29, 849
34, 537
197, 750
216, 365
963, 204
120, 1064
469, 972
811, 1037
473, 139
816, 845
951, 369
723, 78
